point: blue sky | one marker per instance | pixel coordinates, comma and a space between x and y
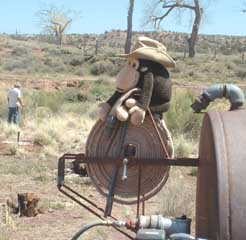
97, 16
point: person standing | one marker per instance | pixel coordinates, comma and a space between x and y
14, 101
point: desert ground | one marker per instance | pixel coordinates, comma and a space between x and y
61, 90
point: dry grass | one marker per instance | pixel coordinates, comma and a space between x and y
185, 146
57, 122
178, 196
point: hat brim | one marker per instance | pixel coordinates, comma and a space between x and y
152, 54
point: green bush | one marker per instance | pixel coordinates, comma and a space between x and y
102, 67
42, 138
3, 105
76, 61
35, 99
183, 146
28, 64
80, 72
73, 95
180, 117
20, 51
241, 73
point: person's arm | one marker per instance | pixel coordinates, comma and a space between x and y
19, 99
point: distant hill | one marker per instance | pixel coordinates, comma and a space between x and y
173, 40
218, 58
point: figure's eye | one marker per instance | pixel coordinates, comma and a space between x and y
135, 64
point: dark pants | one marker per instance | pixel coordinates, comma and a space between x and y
13, 115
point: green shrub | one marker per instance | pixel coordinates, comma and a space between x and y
55, 64
102, 67
180, 117
193, 171
42, 138
28, 64
20, 51
79, 72
101, 93
183, 146
82, 83
76, 61
13, 149
43, 112
80, 108
54, 50
35, 99
73, 95
3, 105
177, 197
241, 73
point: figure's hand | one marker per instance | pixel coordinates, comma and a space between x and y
137, 115
131, 102
103, 110
122, 113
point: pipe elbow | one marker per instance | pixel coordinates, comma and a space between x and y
229, 91
234, 94
213, 92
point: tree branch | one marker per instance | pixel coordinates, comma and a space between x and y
65, 25
170, 6
159, 19
179, 5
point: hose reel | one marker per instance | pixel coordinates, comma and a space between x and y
140, 141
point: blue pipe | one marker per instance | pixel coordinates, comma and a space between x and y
229, 91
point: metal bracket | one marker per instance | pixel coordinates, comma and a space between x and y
75, 196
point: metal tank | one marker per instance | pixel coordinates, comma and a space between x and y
221, 181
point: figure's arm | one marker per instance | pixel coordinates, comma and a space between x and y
138, 112
147, 90
166, 85
113, 99
105, 107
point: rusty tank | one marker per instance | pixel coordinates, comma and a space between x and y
221, 185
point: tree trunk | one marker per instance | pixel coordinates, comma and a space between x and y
60, 38
194, 34
129, 27
96, 47
28, 204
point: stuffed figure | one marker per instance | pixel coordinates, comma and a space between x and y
146, 71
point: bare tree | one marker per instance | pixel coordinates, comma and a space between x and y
129, 27
244, 7
55, 21
172, 5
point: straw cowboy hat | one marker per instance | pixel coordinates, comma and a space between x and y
17, 85
149, 49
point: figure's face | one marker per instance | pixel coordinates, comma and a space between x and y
128, 77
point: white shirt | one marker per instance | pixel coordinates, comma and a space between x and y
13, 95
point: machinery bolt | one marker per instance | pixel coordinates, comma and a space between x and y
124, 175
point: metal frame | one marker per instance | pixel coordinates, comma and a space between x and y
93, 207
